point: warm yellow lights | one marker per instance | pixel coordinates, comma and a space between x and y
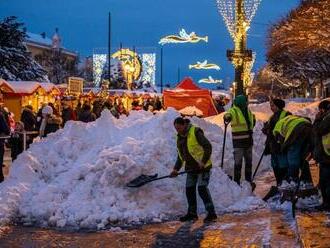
183, 37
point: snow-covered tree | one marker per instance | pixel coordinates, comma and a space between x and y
298, 46
16, 62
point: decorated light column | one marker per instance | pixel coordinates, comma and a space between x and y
237, 16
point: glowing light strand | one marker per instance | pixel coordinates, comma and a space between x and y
227, 10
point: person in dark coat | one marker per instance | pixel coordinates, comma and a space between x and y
194, 151
86, 114
272, 147
4, 131
29, 121
16, 140
67, 113
321, 150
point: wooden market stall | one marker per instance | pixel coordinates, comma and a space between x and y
25, 93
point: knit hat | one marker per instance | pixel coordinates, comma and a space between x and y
279, 103
325, 104
47, 110
240, 101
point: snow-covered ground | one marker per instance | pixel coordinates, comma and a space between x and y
77, 176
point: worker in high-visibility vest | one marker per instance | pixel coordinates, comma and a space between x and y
242, 123
272, 147
321, 151
194, 151
294, 135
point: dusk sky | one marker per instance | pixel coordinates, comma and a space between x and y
83, 26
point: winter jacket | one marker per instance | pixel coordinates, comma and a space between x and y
4, 129
321, 127
271, 146
86, 116
67, 115
50, 125
29, 120
183, 151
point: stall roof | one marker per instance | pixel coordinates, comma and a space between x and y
24, 87
48, 87
5, 86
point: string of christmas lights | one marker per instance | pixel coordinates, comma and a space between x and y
227, 10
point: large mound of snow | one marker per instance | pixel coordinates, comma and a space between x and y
77, 176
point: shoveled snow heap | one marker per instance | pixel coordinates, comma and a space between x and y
77, 176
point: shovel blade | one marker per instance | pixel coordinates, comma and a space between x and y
141, 180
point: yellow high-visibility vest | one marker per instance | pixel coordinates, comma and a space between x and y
326, 143
194, 148
285, 126
238, 122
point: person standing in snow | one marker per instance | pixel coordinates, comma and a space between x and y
242, 123
293, 133
321, 151
4, 130
278, 160
194, 150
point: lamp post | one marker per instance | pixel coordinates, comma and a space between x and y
161, 70
109, 48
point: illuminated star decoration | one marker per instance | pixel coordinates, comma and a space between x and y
210, 80
204, 66
183, 37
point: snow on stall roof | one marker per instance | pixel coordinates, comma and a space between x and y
191, 111
76, 177
49, 87
24, 86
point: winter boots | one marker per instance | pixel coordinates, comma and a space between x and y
189, 217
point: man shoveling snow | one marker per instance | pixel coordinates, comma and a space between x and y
194, 150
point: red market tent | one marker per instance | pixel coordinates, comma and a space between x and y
186, 94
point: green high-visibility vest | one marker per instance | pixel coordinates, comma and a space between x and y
194, 148
285, 126
238, 122
326, 143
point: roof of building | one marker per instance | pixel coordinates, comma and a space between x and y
38, 40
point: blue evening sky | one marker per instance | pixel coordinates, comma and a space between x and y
83, 26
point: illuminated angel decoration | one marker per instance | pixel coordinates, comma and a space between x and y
210, 80
204, 66
183, 37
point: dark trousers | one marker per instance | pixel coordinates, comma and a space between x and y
239, 153
325, 183
202, 180
278, 162
2, 153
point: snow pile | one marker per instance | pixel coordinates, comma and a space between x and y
191, 111
77, 176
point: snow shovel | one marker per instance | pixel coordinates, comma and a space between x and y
256, 170
144, 179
